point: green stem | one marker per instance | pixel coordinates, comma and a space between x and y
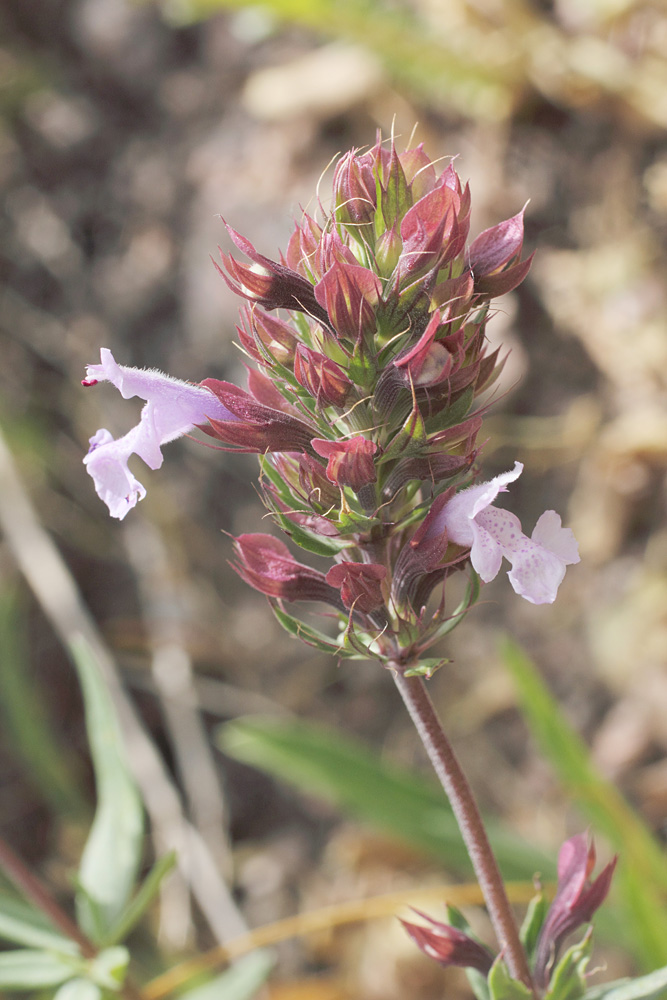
459, 793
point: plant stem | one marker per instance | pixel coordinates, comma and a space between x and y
31, 887
459, 793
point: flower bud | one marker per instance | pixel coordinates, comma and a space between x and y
270, 284
448, 945
350, 463
354, 191
267, 332
323, 378
267, 565
360, 585
350, 294
576, 900
254, 427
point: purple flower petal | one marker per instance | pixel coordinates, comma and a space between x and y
172, 409
538, 563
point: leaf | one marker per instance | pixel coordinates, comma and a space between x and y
311, 636
240, 982
503, 987
532, 923
341, 770
22, 924
142, 900
643, 988
567, 981
78, 989
641, 876
109, 968
427, 667
113, 849
28, 970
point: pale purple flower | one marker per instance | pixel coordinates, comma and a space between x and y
172, 409
538, 563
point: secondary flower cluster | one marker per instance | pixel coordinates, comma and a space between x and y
544, 932
365, 406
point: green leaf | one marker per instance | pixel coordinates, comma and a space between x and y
311, 636
643, 988
22, 924
453, 414
319, 545
503, 987
641, 876
113, 849
567, 981
240, 982
341, 770
109, 968
28, 970
79, 989
142, 900
427, 667
532, 922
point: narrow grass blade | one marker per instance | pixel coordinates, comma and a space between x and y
641, 878
143, 898
240, 982
343, 771
26, 721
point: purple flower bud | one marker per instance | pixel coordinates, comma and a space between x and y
260, 330
316, 484
270, 284
172, 409
425, 228
575, 902
360, 585
354, 190
538, 563
267, 565
492, 251
252, 426
350, 294
323, 378
429, 361
350, 463
303, 246
419, 171
496, 246
448, 945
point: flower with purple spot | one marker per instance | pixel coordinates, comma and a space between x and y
538, 563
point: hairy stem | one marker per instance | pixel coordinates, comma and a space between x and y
459, 793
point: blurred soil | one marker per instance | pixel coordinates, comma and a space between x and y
122, 138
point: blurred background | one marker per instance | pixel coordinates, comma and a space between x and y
126, 129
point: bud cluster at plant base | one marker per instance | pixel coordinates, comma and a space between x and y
544, 932
366, 403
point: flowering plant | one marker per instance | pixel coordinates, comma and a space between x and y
365, 405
